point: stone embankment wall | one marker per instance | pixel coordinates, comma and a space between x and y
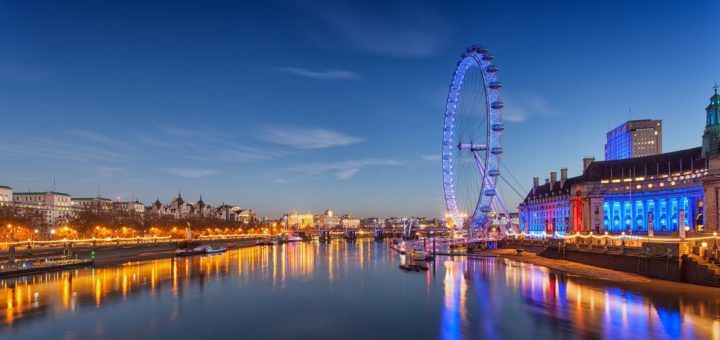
645, 261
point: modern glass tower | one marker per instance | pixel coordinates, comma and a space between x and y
634, 138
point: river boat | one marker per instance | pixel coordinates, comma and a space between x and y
199, 250
413, 267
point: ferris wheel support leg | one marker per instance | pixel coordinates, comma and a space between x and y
505, 212
483, 177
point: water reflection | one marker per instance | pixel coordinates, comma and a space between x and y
552, 304
346, 284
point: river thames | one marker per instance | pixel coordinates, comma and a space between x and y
340, 290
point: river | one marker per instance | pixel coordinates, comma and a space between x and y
341, 291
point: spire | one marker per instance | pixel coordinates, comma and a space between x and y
715, 87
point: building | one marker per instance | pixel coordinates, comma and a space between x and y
131, 207
349, 222
663, 192
6, 195
634, 138
299, 221
327, 220
95, 204
710, 138
711, 151
56, 207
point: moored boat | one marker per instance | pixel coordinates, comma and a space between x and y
413, 267
200, 250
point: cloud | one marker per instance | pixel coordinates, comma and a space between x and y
400, 28
43, 147
307, 138
191, 173
321, 74
432, 158
520, 109
340, 170
514, 117
200, 144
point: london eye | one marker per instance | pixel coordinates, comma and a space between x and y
471, 146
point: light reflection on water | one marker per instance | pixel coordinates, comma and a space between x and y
310, 290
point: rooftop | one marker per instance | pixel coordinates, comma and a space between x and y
42, 193
670, 162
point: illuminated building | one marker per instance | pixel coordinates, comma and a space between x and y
665, 191
6, 195
55, 207
328, 220
133, 206
96, 204
299, 221
348, 221
634, 138
711, 141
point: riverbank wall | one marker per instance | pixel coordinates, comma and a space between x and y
122, 252
675, 265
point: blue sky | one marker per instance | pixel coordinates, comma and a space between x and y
308, 105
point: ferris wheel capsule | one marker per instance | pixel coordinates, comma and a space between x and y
495, 85
498, 127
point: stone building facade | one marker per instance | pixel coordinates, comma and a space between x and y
663, 192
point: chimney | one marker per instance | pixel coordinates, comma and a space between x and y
586, 162
547, 181
563, 176
536, 183
553, 179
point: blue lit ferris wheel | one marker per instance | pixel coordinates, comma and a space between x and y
471, 141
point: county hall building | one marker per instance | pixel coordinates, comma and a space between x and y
662, 191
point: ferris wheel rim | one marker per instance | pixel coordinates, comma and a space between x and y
475, 56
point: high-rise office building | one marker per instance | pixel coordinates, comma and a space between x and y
634, 138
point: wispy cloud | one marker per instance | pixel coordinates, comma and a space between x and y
191, 173
522, 108
51, 148
200, 143
339, 170
432, 158
307, 138
318, 74
399, 28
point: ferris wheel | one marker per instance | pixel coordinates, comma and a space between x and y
471, 146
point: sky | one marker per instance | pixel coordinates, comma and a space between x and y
308, 105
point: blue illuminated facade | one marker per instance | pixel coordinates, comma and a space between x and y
631, 194
633, 214
618, 196
618, 144
634, 138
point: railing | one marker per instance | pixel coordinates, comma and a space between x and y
118, 240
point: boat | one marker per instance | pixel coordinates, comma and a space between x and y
293, 238
37, 266
199, 250
211, 250
413, 267
266, 242
420, 255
